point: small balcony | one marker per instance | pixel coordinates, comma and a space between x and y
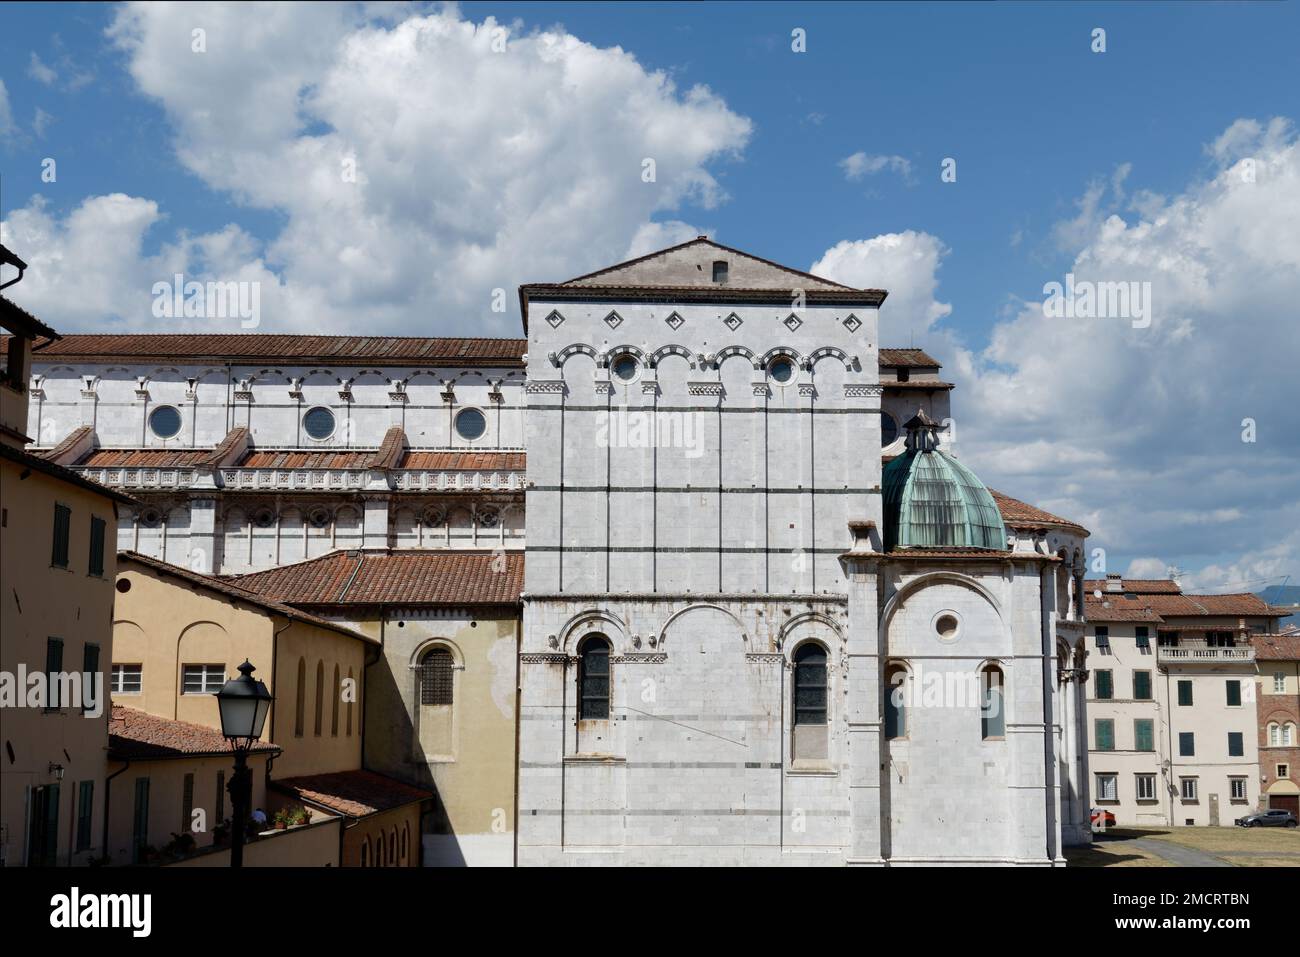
1201, 653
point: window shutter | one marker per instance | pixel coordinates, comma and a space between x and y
96, 564
62, 521
1234, 692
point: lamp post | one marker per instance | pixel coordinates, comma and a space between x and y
243, 703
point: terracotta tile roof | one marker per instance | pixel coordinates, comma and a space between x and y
353, 793
1276, 647
73, 438
1118, 608
138, 736
1138, 586
256, 347
37, 464
912, 384
402, 577
14, 316
307, 459
466, 461
231, 589
908, 358
143, 458
390, 450
1173, 606
1020, 514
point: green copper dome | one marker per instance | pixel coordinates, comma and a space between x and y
933, 501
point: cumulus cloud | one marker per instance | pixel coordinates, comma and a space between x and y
39, 72
906, 264
863, 164
421, 163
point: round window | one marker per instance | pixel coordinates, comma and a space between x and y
888, 429
624, 367
470, 424
487, 519
264, 518
319, 423
319, 518
947, 626
165, 421
781, 369
151, 518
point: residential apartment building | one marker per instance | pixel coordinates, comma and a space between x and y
57, 564
1171, 702
1278, 707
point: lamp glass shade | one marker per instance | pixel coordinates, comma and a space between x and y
243, 703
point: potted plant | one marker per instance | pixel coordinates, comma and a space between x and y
298, 816
281, 819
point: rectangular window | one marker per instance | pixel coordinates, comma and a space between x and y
1103, 639
1236, 745
1146, 787
1167, 639
202, 679
719, 270
187, 803
1142, 686
127, 679
53, 668
1185, 692
1104, 732
1238, 786
1187, 787
1107, 787
1279, 682
1144, 734
62, 525
1186, 744
85, 812
1234, 693
140, 820
1283, 771
1220, 639
1105, 686
96, 564
89, 669
1143, 638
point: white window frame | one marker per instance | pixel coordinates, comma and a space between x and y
1233, 785
1195, 788
119, 672
1145, 782
212, 677
1282, 771
1279, 682
1114, 786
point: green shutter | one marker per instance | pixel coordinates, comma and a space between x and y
89, 668
96, 563
1105, 688
1142, 685
1185, 693
1234, 692
1144, 734
62, 522
53, 666
85, 809
1236, 744
1105, 734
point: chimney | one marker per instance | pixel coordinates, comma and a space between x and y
1114, 583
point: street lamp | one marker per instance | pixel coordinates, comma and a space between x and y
243, 703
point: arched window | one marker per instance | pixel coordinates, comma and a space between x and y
320, 695
406, 832
300, 712
365, 852
379, 849
392, 848
993, 717
352, 691
436, 677
1288, 735
810, 700
1274, 734
334, 704
593, 679
895, 693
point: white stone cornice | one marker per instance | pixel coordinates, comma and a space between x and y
704, 388
544, 385
858, 390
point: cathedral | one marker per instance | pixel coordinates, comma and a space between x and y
691, 574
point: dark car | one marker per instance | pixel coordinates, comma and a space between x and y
1273, 818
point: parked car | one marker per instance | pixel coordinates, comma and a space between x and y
1102, 818
1273, 818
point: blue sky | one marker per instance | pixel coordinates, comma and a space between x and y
1051, 141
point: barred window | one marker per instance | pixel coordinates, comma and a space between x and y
435, 677
593, 679
810, 684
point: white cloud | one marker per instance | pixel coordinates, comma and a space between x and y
39, 72
7, 128
1147, 568
1138, 432
863, 164
653, 236
475, 169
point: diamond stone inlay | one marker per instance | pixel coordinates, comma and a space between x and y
852, 323
733, 322
613, 320
793, 322
675, 322
555, 319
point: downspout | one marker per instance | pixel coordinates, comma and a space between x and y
1169, 738
519, 700
108, 792
275, 658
